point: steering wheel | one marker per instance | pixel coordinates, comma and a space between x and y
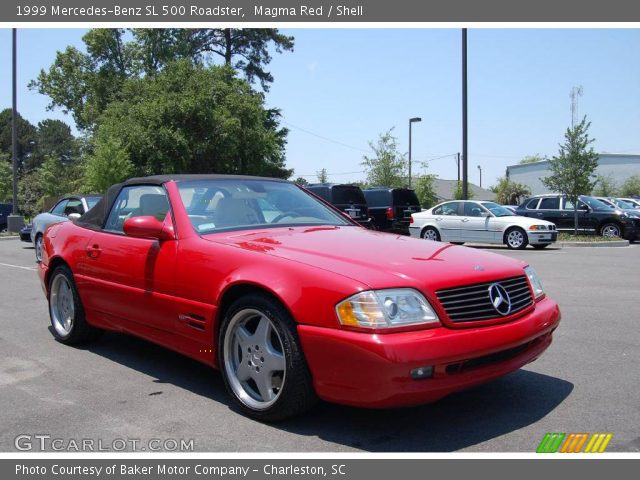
285, 215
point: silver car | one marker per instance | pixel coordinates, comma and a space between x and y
461, 221
65, 209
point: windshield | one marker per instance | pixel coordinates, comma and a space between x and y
498, 210
595, 203
221, 205
623, 204
91, 201
348, 194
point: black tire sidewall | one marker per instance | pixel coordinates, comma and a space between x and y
297, 375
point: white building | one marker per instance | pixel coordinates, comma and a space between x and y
618, 166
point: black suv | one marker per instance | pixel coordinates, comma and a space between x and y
391, 208
348, 198
594, 216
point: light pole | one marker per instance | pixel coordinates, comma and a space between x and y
411, 121
480, 170
14, 221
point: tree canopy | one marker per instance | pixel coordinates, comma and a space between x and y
509, 192
572, 170
387, 166
86, 83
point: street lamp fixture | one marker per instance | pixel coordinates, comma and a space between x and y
411, 121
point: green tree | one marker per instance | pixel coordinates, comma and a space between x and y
533, 159
631, 187
458, 192
195, 119
86, 83
6, 178
605, 186
27, 135
386, 167
30, 193
572, 171
508, 192
57, 178
301, 181
323, 176
108, 164
425, 191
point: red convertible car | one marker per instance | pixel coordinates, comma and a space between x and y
288, 297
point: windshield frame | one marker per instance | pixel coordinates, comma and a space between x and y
505, 212
256, 190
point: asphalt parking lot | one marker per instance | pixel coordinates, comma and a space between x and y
122, 387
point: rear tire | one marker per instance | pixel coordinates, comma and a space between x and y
261, 360
516, 238
430, 233
66, 311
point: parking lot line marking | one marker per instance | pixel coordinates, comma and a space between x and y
33, 269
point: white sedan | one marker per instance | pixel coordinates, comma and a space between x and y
461, 221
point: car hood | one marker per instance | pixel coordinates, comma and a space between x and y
379, 260
524, 221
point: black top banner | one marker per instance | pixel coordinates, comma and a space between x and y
325, 11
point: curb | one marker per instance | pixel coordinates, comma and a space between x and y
12, 237
610, 244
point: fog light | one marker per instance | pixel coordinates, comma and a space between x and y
422, 373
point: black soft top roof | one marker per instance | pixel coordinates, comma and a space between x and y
95, 218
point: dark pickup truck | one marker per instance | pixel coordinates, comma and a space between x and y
348, 198
391, 208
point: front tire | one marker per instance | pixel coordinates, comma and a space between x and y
66, 311
261, 360
611, 229
516, 238
431, 233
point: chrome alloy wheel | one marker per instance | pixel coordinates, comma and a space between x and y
431, 234
254, 359
61, 305
610, 230
39, 248
515, 238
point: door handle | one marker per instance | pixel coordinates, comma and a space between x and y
438, 219
94, 251
465, 220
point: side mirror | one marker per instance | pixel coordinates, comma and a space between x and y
147, 227
485, 214
584, 208
73, 216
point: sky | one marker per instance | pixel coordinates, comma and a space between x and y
342, 88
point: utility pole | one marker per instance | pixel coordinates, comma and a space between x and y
465, 157
458, 164
14, 221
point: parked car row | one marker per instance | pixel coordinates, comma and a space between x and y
386, 209
594, 216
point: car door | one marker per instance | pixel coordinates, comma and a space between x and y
474, 223
127, 280
447, 221
549, 210
567, 221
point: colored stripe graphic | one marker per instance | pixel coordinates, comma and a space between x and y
555, 442
574, 443
598, 443
550, 443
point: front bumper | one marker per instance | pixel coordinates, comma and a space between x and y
373, 370
631, 230
542, 237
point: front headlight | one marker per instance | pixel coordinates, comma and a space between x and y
537, 227
536, 283
394, 307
